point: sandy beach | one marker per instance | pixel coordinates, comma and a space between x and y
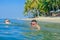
44, 19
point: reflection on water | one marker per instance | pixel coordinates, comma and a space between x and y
23, 32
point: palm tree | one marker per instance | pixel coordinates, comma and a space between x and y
31, 6
38, 7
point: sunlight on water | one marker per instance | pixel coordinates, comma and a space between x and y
22, 31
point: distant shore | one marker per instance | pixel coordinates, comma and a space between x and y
45, 19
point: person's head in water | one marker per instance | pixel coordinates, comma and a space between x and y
33, 23
7, 21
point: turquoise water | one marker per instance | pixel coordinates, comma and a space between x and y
20, 30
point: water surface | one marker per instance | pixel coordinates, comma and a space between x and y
21, 30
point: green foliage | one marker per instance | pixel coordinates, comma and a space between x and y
44, 6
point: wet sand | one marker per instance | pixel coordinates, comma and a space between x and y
44, 19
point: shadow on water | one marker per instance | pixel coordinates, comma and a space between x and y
20, 30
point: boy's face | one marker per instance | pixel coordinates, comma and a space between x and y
7, 21
33, 24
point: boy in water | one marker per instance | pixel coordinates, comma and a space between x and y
35, 25
7, 21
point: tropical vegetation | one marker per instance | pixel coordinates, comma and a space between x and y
41, 7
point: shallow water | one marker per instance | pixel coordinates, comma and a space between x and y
20, 30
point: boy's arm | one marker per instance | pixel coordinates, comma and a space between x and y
38, 27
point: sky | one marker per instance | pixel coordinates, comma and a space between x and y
12, 9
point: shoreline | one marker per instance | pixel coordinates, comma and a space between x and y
44, 19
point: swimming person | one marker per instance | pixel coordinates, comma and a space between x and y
35, 25
7, 21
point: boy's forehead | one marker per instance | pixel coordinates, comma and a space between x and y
33, 22
7, 20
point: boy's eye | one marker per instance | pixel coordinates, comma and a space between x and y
33, 24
